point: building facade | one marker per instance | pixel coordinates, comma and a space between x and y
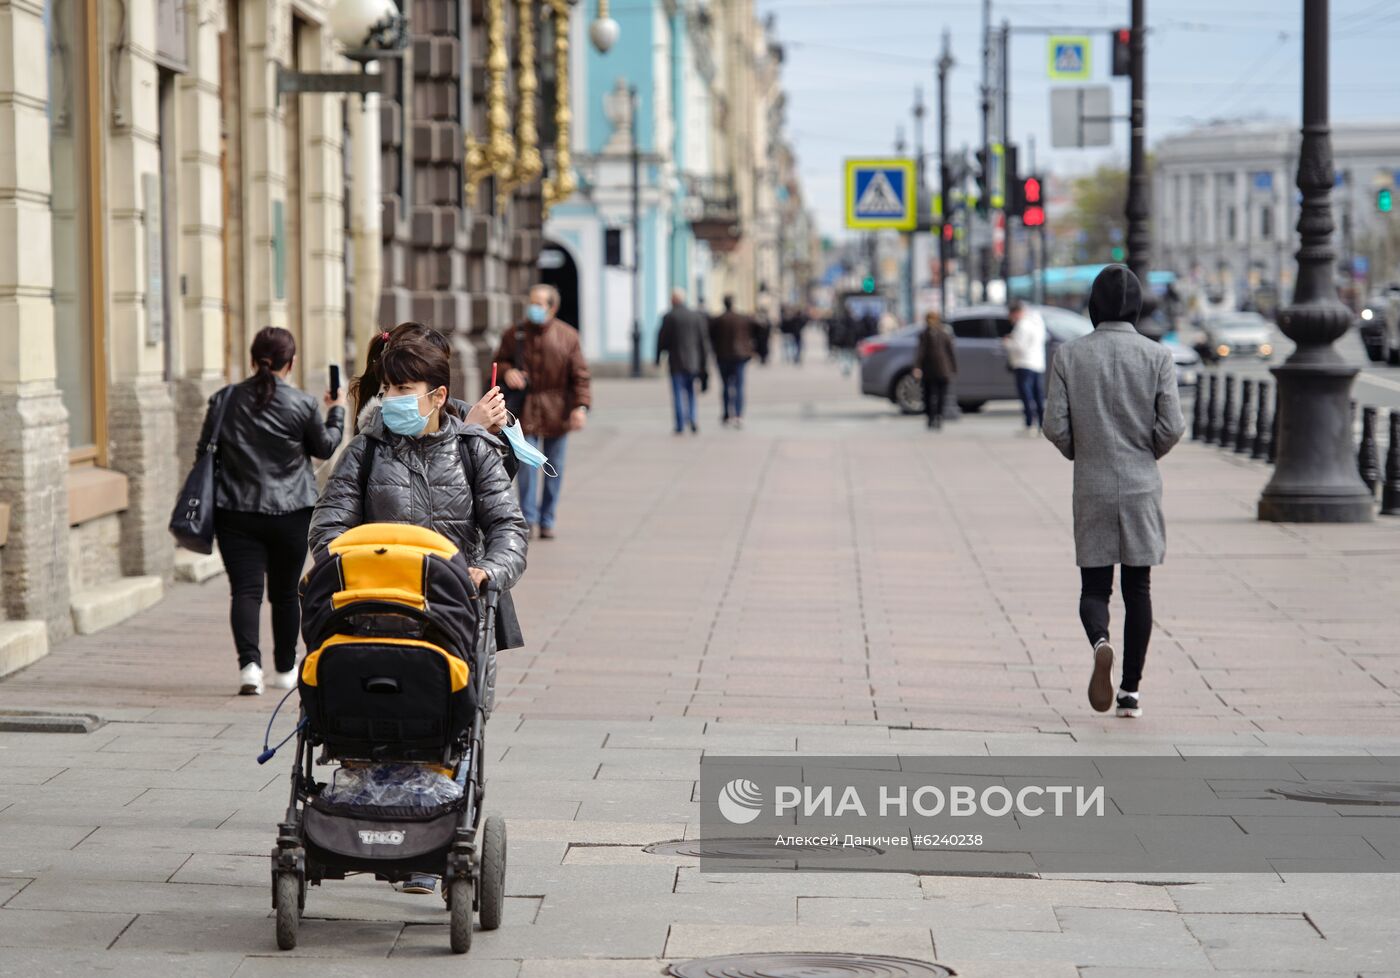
1225, 203
714, 174
161, 201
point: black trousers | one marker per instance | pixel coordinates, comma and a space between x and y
259, 549
935, 391
1096, 588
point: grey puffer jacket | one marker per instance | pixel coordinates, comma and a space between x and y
423, 481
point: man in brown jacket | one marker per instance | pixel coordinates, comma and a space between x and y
936, 363
543, 359
731, 337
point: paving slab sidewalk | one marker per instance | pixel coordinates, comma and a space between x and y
833, 579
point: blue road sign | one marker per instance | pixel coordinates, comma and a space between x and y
880, 194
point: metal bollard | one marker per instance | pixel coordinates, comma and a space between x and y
1390, 492
1212, 412
1244, 430
1198, 413
1228, 417
1368, 461
1263, 423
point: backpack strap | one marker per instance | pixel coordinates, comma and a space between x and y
366, 466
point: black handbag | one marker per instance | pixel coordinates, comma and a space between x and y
192, 520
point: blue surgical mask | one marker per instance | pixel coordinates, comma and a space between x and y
401, 415
525, 453
536, 314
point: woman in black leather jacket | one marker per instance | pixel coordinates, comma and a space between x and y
265, 488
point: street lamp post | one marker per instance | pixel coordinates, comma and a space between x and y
636, 239
1138, 209
1316, 479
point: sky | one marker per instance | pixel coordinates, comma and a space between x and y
852, 66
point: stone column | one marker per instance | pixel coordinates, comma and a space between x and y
33, 422
140, 412
200, 370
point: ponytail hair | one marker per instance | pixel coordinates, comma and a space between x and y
273, 348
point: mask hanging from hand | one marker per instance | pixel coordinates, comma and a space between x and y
525, 453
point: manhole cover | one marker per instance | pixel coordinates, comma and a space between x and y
1365, 793
807, 966
21, 721
751, 849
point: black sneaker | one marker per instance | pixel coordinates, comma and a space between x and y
1128, 705
1101, 681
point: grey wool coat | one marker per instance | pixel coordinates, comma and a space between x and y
1113, 410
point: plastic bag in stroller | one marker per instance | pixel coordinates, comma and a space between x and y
394, 688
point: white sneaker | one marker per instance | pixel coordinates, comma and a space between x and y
250, 678
283, 680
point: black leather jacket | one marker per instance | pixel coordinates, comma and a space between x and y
264, 462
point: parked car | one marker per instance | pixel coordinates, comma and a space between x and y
887, 362
1379, 325
1237, 334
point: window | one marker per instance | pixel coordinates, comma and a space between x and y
75, 177
1231, 230
976, 329
1266, 222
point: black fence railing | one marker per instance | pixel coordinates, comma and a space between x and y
1240, 415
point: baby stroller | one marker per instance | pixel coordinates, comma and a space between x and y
400, 670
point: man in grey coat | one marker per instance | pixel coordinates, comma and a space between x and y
1113, 411
682, 339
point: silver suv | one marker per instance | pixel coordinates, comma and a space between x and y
887, 362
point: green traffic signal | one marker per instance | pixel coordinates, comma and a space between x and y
868, 286
1117, 253
1383, 202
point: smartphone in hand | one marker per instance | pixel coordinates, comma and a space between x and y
334, 387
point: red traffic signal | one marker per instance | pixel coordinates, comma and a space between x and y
1033, 197
1122, 51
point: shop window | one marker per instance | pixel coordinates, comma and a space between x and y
75, 174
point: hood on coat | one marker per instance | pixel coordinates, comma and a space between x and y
1116, 296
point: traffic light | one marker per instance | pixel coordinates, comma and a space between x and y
982, 190
1122, 51
1012, 204
868, 285
1383, 202
1032, 201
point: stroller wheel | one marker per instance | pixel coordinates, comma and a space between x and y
459, 905
493, 871
287, 895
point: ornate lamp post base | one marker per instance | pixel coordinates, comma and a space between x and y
1315, 480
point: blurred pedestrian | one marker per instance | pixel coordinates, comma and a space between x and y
762, 330
264, 490
935, 364
1025, 351
547, 365
1113, 411
682, 339
794, 322
731, 337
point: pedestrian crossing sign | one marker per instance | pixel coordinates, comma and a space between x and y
1069, 58
881, 194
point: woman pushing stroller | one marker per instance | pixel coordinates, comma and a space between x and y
421, 459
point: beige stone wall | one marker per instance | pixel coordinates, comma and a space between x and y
94, 550
33, 422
